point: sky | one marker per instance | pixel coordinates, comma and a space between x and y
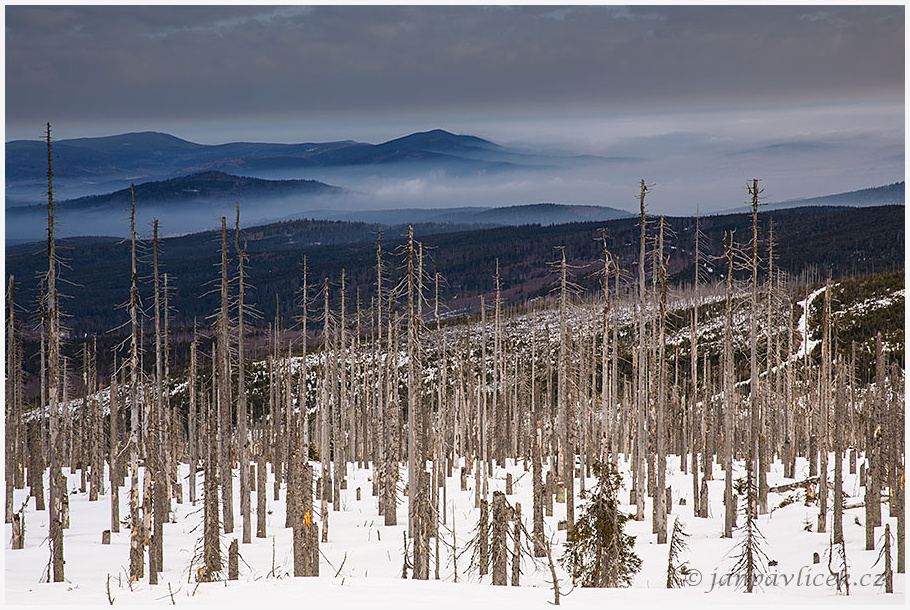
672, 83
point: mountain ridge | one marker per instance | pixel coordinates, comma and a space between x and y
888, 194
157, 155
196, 187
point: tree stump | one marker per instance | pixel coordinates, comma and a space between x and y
19, 531
509, 484
105, 537
561, 493
233, 560
703, 500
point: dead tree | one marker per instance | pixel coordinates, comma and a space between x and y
114, 450
696, 415
55, 383
155, 449
660, 499
873, 439
192, 421
416, 464
242, 411
225, 459
11, 415
566, 413
639, 364
728, 393
211, 535
137, 537
824, 407
752, 461
536, 449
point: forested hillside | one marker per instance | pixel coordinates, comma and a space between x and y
839, 241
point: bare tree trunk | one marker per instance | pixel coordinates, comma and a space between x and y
225, 424
839, 415
696, 415
873, 448
326, 487
607, 404
11, 415
660, 500
566, 410
261, 490
114, 460
155, 443
136, 535
499, 418
499, 526
97, 430
752, 464
824, 406
639, 363
55, 382
416, 464
392, 427
537, 466
211, 541
242, 411
729, 397
516, 542
191, 423
483, 538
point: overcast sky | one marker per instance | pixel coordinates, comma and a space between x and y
585, 78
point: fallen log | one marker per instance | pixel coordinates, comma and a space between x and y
794, 485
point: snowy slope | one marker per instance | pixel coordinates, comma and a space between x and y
367, 556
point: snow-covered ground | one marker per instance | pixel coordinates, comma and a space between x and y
362, 562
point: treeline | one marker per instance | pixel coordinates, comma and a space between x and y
844, 242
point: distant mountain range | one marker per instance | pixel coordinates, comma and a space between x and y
195, 202
425, 177
195, 189
891, 194
86, 165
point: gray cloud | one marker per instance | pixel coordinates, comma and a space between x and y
101, 63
